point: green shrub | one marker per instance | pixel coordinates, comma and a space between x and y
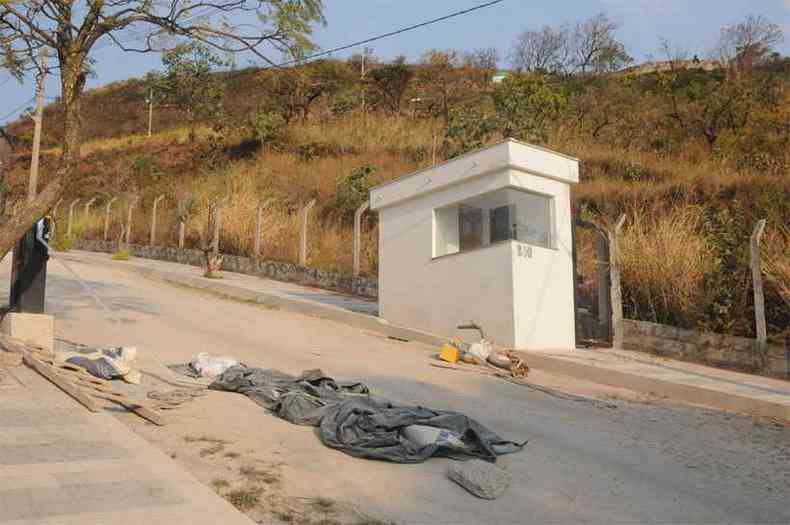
61, 243
352, 191
121, 254
265, 127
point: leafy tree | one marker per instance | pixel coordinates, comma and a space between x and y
72, 31
602, 104
470, 128
265, 127
443, 80
352, 191
191, 85
293, 92
527, 106
389, 82
705, 105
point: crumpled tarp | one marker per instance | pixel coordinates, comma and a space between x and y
347, 419
301, 400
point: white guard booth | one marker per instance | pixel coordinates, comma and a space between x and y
485, 237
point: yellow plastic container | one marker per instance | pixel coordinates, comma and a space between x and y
449, 353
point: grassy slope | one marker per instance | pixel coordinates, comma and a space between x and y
685, 246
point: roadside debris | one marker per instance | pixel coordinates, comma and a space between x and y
484, 480
209, 365
482, 353
205, 365
74, 380
347, 419
106, 363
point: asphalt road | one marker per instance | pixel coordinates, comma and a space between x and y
620, 462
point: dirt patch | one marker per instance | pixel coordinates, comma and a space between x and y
253, 482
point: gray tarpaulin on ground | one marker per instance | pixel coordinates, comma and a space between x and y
347, 419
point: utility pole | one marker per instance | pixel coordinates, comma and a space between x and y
150, 101
29, 263
38, 120
365, 52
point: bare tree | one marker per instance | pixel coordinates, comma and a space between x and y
747, 42
595, 48
673, 53
545, 50
483, 61
71, 29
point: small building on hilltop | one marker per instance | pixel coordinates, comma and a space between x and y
484, 237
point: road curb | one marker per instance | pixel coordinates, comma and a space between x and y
271, 300
695, 395
682, 392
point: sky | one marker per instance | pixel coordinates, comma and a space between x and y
692, 24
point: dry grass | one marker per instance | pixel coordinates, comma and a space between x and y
776, 259
244, 499
664, 259
665, 254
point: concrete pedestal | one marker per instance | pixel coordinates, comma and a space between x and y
36, 329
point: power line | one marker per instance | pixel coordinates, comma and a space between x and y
17, 109
391, 33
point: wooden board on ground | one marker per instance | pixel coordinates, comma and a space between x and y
85, 388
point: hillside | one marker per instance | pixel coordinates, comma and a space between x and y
692, 157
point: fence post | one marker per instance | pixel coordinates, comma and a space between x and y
303, 235
757, 285
262, 205
616, 293
152, 240
603, 261
132, 203
357, 243
88, 206
182, 216
71, 218
107, 218
55, 216
217, 220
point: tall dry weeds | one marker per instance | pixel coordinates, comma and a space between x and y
664, 259
776, 259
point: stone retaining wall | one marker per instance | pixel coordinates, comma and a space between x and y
738, 353
280, 271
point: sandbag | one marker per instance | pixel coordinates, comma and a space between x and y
481, 479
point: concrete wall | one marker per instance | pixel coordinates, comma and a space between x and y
543, 277
738, 353
521, 295
437, 294
281, 271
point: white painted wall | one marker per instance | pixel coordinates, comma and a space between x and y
520, 302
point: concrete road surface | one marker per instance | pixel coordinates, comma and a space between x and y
586, 462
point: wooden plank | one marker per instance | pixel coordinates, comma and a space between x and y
78, 391
64, 384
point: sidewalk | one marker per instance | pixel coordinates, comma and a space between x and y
675, 380
62, 465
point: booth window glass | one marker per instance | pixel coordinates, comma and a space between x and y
501, 215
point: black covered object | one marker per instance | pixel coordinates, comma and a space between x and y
300, 400
347, 419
